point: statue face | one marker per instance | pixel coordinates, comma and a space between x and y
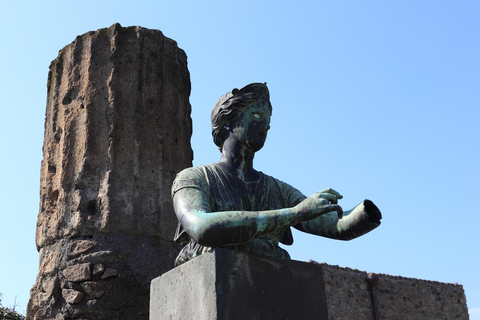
251, 125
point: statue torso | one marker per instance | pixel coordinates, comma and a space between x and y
228, 193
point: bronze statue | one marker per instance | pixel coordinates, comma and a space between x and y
231, 205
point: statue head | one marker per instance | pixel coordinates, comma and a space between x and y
231, 104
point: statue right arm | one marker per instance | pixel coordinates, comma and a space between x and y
215, 229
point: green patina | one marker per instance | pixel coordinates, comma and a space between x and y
231, 205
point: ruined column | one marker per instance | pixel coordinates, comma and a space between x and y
117, 130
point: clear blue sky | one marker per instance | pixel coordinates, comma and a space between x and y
376, 99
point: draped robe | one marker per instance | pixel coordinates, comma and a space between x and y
222, 191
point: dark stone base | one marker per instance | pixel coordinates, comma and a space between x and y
231, 285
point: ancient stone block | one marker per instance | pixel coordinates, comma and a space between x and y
97, 257
48, 261
93, 289
98, 269
72, 296
109, 272
51, 286
77, 273
81, 246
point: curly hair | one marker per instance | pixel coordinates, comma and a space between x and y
227, 108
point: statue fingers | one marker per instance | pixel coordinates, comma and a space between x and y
330, 197
320, 200
331, 208
332, 192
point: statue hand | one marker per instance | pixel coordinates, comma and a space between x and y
320, 203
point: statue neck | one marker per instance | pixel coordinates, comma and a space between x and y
237, 159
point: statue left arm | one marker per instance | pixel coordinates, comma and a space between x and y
356, 222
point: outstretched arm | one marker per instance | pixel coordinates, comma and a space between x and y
356, 222
233, 227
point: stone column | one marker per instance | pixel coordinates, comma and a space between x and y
117, 130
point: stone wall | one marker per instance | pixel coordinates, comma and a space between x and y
117, 130
349, 296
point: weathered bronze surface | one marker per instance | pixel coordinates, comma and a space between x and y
231, 205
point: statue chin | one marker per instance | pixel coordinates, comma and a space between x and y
255, 146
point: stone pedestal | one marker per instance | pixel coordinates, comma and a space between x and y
117, 130
229, 285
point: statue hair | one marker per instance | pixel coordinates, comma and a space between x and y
227, 108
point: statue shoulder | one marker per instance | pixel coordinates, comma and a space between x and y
192, 172
193, 177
